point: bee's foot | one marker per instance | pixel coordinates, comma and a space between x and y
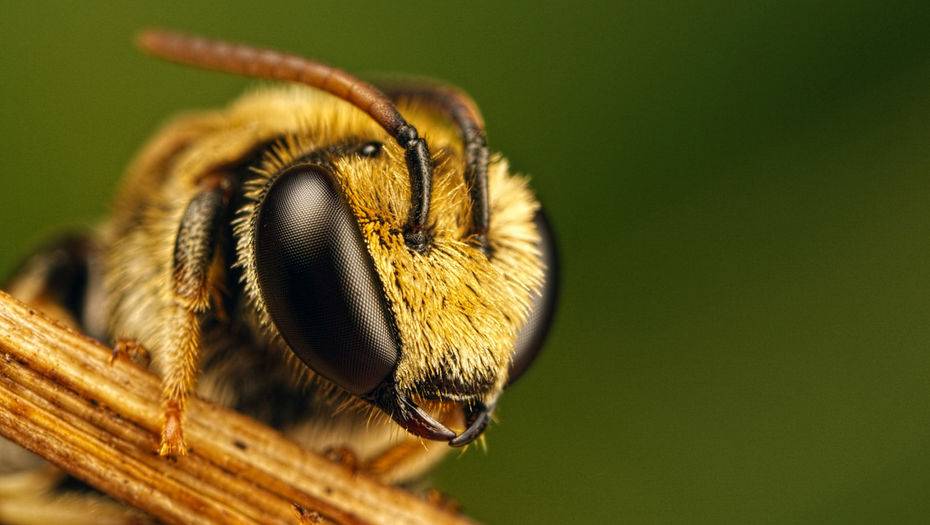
172, 433
306, 517
133, 350
344, 456
442, 500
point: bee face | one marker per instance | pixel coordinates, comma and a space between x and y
322, 240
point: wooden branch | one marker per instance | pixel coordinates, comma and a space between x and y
61, 398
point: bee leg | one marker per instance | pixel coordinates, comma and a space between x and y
193, 285
404, 460
306, 517
410, 455
343, 456
392, 458
133, 350
442, 500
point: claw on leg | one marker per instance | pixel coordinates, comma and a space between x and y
133, 350
344, 456
172, 433
306, 517
439, 499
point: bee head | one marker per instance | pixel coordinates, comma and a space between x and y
404, 279
420, 335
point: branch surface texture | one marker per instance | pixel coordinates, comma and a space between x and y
61, 398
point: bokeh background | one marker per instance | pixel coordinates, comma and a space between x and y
742, 191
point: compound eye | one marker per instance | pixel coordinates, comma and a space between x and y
318, 281
531, 338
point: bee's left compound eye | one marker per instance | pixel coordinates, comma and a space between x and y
319, 284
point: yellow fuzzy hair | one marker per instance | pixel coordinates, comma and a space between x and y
455, 309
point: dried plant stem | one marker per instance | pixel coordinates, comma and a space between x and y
61, 398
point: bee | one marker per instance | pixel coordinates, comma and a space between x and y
344, 262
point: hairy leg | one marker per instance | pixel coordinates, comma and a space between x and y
192, 286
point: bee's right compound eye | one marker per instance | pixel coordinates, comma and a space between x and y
531, 338
318, 281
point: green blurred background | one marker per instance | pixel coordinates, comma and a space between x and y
742, 194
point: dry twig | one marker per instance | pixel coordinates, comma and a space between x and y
62, 399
